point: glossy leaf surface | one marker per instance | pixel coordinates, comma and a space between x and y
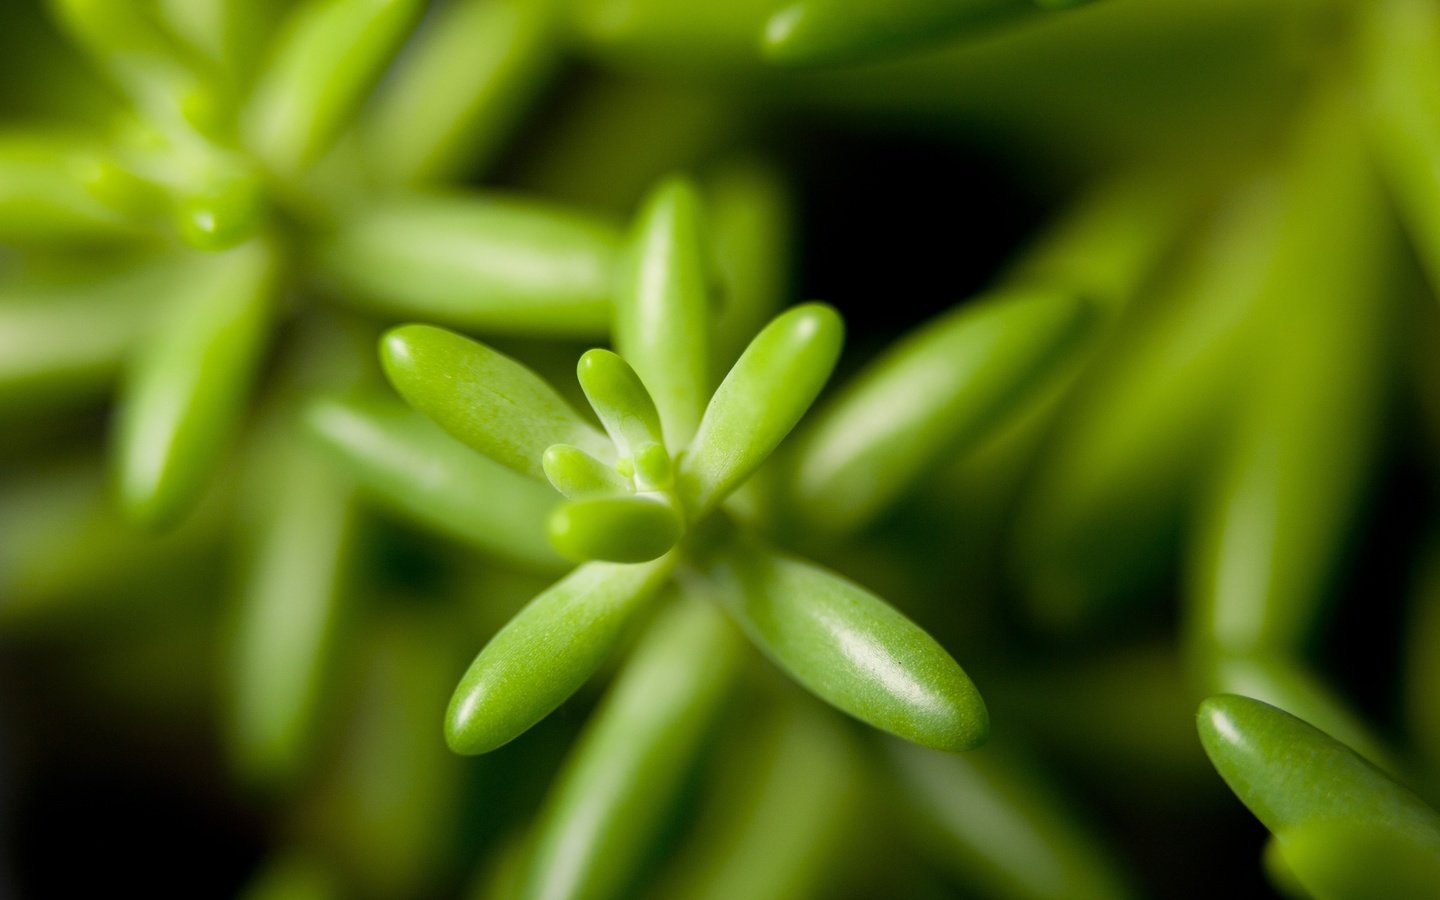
547, 652
662, 307
771, 386
850, 648
615, 529
483, 397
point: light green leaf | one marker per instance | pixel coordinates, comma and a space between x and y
935, 394
326, 57
849, 647
1299, 782
662, 307
486, 399
186, 390
457, 92
627, 770
488, 263
620, 400
615, 529
759, 402
575, 473
547, 652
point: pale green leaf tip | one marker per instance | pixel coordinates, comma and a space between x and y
652, 468
614, 529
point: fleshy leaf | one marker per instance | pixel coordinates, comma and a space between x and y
627, 771
850, 648
933, 395
547, 651
616, 529
326, 57
411, 467
1294, 777
769, 389
620, 400
501, 265
456, 93
662, 307
483, 397
186, 389
575, 473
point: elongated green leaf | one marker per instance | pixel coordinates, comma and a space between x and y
936, 393
626, 772
186, 390
390, 799
43, 194
459, 89
1285, 684
620, 400
1103, 510
476, 262
1274, 519
575, 473
288, 618
413, 468
1352, 861
615, 529
771, 386
328, 54
819, 32
1300, 782
850, 648
989, 818
1400, 55
547, 652
779, 815
750, 226
662, 307
484, 398
66, 341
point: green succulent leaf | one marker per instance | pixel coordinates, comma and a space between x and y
489, 263
772, 385
1303, 784
282, 644
186, 389
615, 529
1400, 65
547, 652
412, 467
43, 190
662, 306
992, 819
65, 341
483, 397
457, 92
326, 57
1275, 513
626, 772
576, 474
750, 219
935, 394
620, 400
824, 32
849, 647
1353, 861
